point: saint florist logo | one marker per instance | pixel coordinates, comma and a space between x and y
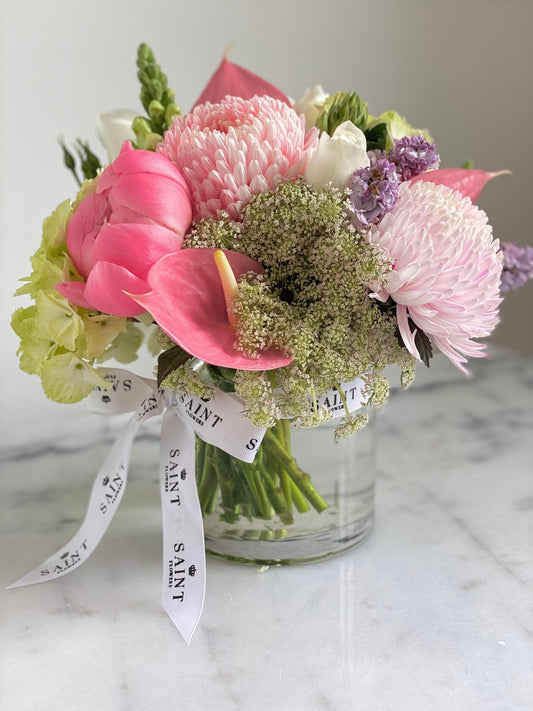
179, 571
112, 487
197, 410
67, 559
174, 476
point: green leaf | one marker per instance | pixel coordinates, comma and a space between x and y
423, 345
90, 165
169, 361
69, 161
223, 378
468, 165
376, 137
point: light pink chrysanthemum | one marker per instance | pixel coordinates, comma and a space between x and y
237, 148
446, 269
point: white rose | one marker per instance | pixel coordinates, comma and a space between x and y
113, 128
338, 157
310, 105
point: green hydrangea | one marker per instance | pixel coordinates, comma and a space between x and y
59, 341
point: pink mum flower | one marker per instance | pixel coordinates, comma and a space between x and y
237, 148
446, 269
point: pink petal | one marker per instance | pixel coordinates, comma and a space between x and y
469, 183
233, 80
154, 197
138, 161
82, 230
106, 286
136, 247
408, 336
74, 291
187, 302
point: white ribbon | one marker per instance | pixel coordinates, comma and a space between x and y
219, 421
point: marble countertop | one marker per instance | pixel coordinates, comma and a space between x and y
434, 611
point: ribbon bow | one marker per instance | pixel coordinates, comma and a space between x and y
219, 421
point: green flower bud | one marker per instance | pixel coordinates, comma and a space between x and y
171, 112
340, 107
169, 96
143, 77
145, 54
156, 110
141, 129
151, 141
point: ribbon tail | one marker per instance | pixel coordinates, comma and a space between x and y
183, 530
106, 495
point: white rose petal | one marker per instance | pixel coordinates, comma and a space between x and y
310, 105
338, 157
113, 128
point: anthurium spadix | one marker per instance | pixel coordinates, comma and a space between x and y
232, 80
188, 303
469, 183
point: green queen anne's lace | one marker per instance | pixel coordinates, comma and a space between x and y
312, 302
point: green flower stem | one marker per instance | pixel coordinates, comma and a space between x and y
285, 483
300, 478
275, 494
260, 494
272, 484
298, 498
208, 486
200, 460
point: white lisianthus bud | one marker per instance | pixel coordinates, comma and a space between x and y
113, 128
337, 157
310, 105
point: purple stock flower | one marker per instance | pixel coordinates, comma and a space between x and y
374, 190
413, 155
517, 265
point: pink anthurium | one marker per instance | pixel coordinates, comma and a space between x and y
232, 80
469, 183
188, 303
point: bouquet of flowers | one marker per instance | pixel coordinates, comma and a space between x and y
271, 249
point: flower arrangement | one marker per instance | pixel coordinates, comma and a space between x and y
275, 257
270, 249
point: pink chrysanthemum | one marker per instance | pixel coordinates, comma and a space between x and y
446, 269
237, 148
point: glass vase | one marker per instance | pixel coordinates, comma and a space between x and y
305, 498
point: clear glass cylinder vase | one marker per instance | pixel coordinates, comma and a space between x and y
305, 498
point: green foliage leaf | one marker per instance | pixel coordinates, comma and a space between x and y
376, 137
169, 361
423, 345
89, 164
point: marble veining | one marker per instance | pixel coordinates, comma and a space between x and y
432, 612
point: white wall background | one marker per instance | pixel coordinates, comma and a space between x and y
461, 68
